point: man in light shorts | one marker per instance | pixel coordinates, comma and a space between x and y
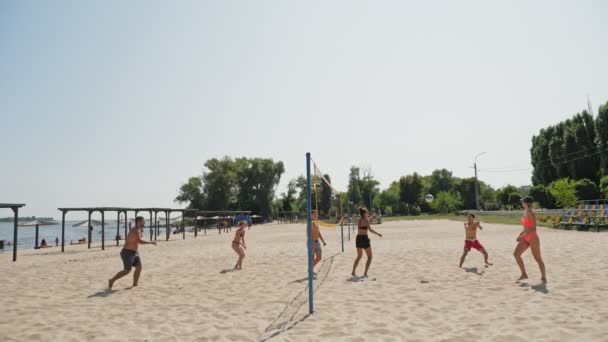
317, 251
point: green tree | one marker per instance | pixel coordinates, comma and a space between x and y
586, 190
466, 187
230, 184
604, 186
354, 189
543, 172
257, 179
441, 180
410, 189
325, 200
515, 200
446, 202
220, 184
564, 192
542, 196
288, 198
503, 194
390, 197
191, 193
601, 136
368, 186
487, 197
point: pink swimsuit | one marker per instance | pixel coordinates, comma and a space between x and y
528, 224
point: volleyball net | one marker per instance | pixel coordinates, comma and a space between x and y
327, 201
325, 206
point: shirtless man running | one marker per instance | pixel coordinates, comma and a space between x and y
470, 232
130, 255
317, 251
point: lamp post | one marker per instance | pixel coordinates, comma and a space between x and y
476, 181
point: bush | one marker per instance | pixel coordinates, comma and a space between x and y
542, 196
564, 192
388, 211
586, 190
446, 202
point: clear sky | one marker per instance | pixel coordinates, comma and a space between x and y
119, 102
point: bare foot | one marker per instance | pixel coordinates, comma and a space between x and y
134, 285
544, 280
353, 275
110, 283
489, 263
522, 277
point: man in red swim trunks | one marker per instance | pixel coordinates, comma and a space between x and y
470, 231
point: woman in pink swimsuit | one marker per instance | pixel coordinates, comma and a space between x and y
529, 238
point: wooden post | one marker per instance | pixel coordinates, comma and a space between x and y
63, 212
15, 223
103, 231
36, 243
118, 229
155, 225
126, 231
184, 224
89, 231
151, 225
167, 229
195, 226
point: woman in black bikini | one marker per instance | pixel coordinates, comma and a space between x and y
238, 244
362, 242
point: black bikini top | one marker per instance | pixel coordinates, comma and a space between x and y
362, 227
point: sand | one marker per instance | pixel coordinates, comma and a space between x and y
415, 292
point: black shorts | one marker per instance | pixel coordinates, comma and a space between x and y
362, 241
129, 259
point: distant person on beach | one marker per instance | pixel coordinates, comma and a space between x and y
238, 244
130, 254
43, 244
470, 236
362, 241
317, 251
529, 238
56, 241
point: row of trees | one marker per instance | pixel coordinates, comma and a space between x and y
576, 149
570, 160
570, 163
234, 184
404, 196
565, 192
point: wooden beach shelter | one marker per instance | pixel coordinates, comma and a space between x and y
15, 208
37, 224
90, 211
90, 224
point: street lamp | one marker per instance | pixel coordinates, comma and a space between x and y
476, 181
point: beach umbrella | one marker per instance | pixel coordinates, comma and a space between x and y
37, 223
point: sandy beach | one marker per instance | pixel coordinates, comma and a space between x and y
415, 292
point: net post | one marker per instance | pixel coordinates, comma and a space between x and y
349, 219
309, 235
342, 235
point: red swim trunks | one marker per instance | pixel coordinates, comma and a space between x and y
468, 244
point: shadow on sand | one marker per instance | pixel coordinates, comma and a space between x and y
542, 287
283, 329
474, 270
228, 270
102, 294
